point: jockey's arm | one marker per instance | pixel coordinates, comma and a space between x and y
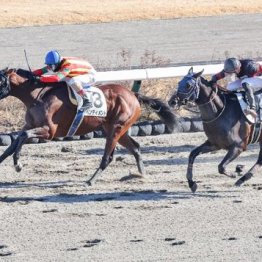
56, 77
218, 76
41, 71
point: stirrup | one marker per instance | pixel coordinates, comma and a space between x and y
251, 112
86, 104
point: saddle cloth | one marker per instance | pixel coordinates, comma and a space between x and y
99, 106
243, 104
256, 123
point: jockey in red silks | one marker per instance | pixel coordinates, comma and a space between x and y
249, 74
76, 72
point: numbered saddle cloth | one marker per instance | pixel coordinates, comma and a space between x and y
99, 106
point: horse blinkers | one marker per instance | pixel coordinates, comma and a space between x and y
4, 85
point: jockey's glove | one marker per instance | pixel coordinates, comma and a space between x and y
36, 79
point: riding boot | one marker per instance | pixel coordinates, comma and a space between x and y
86, 102
251, 99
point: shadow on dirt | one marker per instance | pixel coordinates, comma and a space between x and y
135, 195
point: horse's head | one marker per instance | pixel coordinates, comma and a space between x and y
187, 90
4, 83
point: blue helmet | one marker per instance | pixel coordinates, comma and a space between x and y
52, 58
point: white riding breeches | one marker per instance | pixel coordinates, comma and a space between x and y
83, 80
254, 82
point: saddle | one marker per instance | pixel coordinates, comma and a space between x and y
256, 122
99, 106
241, 97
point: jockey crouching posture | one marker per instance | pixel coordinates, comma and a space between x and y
249, 74
76, 72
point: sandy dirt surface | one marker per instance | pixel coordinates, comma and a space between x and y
44, 12
49, 214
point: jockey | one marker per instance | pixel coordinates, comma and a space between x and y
76, 72
249, 74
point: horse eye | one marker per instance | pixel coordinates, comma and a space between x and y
188, 84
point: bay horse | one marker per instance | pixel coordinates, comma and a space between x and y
223, 121
49, 114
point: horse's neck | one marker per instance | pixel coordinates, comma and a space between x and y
210, 102
25, 92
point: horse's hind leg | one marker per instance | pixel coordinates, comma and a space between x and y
111, 141
204, 148
134, 148
249, 174
232, 154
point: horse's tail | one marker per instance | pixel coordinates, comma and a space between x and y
161, 109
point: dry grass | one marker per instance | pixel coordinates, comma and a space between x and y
12, 113
42, 12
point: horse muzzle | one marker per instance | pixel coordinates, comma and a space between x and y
174, 102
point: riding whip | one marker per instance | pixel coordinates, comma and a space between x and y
27, 61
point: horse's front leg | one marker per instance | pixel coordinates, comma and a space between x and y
232, 154
204, 148
40, 132
11, 149
252, 170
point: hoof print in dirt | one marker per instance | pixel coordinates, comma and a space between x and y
49, 210
5, 254
120, 158
72, 249
170, 239
230, 238
136, 240
91, 243
237, 201
178, 243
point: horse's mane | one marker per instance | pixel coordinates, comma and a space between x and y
46, 88
31, 77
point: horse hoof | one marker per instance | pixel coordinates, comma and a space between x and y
239, 183
18, 167
89, 183
193, 186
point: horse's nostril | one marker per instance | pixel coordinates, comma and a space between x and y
171, 103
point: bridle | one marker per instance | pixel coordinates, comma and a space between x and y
193, 94
5, 87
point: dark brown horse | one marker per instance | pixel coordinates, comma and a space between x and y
50, 113
223, 121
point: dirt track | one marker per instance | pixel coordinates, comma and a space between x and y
49, 214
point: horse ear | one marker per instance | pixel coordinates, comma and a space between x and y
190, 71
4, 70
196, 75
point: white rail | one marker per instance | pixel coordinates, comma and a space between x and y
153, 73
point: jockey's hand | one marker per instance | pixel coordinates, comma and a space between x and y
212, 84
37, 80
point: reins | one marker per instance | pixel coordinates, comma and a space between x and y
212, 120
213, 95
